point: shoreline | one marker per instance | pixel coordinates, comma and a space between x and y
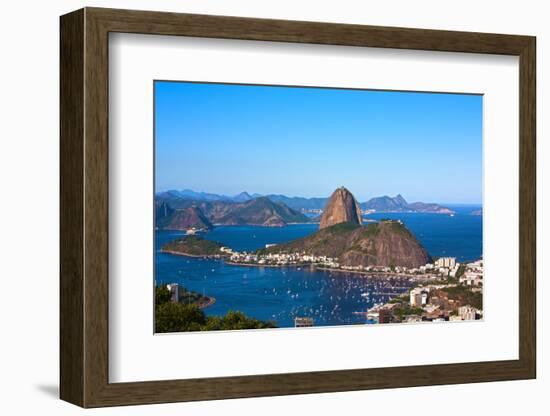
263, 226
412, 212
200, 256
371, 274
267, 265
211, 301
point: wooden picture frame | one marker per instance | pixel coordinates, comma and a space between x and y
84, 207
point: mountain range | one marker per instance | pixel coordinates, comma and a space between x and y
187, 213
379, 204
168, 218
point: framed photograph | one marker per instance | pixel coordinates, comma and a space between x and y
255, 207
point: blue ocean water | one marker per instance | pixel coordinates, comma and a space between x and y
281, 294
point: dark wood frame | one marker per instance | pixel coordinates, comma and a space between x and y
84, 207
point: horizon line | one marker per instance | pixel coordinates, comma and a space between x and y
312, 197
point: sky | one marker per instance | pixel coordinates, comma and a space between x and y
229, 138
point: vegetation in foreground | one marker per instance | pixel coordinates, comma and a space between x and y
180, 317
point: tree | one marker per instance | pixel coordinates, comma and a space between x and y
162, 295
185, 316
235, 320
177, 317
460, 271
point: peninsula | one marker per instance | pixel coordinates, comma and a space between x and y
342, 236
194, 246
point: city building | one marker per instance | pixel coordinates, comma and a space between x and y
301, 322
174, 289
471, 278
412, 319
467, 313
424, 297
418, 297
449, 262
384, 315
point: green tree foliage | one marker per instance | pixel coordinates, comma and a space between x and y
401, 312
177, 317
162, 295
465, 296
194, 245
235, 320
185, 317
460, 271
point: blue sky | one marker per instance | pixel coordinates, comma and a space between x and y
224, 138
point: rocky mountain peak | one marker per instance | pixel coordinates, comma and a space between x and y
341, 207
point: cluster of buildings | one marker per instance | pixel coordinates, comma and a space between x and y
431, 302
194, 230
473, 275
442, 268
279, 259
316, 211
303, 322
427, 302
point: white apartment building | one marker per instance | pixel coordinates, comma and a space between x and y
471, 278
449, 262
174, 289
467, 313
418, 297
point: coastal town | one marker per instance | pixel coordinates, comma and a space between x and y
444, 290
452, 293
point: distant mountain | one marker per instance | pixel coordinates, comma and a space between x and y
386, 203
341, 207
179, 199
257, 211
168, 218
192, 195
162, 210
299, 203
188, 194
399, 204
179, 214
242, 197
429, 208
